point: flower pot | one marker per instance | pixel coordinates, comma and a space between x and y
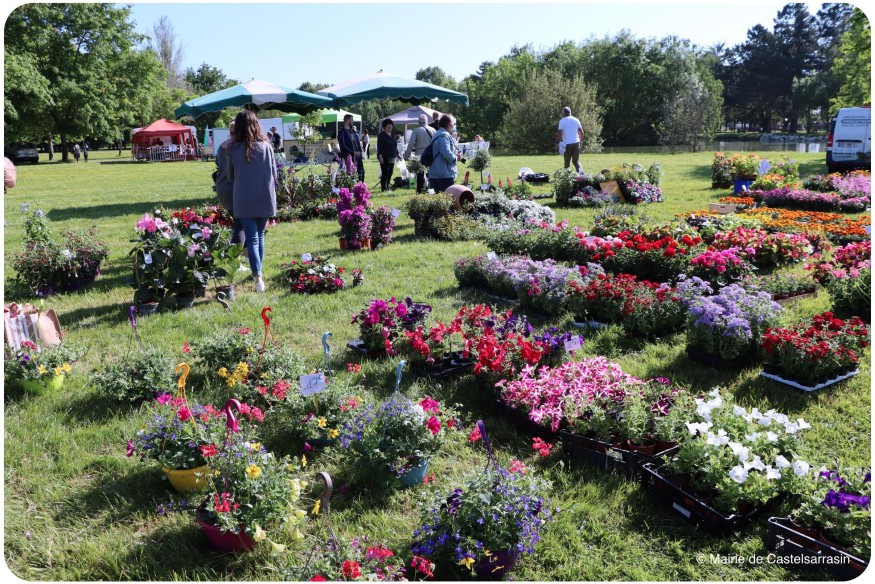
42, 386
739, 184
227, 542
189, 480
342, 244
414, 476
147, 308
184, 301
496, 565
228, 291
200, 292
645, 447
365, 245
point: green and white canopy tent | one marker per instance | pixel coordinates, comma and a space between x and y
329, 117
255, 95
384, 85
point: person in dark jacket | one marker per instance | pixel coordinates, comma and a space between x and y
225, 186
252, 168
350, 144
387, 152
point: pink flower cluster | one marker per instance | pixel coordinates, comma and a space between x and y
561, 393
150, 224
718, 260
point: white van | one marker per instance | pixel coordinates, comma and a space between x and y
849, 143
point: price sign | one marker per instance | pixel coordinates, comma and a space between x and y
868, 230
573, 344
147, 258
491, 255
307, 257
335, 190
311, 384
396, 213
484, 187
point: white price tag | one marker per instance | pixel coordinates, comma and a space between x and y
868, 230
311, 384
307, 257
573, 344
147, 258
335, 190
484, 187
491, 255
396, 213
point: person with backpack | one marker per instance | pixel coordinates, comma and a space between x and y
442, 171
419, 141
85, 150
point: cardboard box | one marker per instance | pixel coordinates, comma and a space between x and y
724, 208
612, 188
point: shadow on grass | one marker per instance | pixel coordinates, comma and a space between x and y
96, 315
117, 210
94, 406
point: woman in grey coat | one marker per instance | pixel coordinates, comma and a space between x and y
252, 169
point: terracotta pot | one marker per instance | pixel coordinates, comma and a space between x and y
227, 542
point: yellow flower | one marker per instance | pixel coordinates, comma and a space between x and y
250, 350
300, 513
66, 367
322, 422
303, 460
467, 562
276, 548
59, 370
223, 372
41, 370
254, 446
260, 534
315, 510
253, 471
333, 433
487, 553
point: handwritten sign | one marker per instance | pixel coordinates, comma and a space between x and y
573, 344
491, 255
307, 257
396, 213
311, 384
612, 188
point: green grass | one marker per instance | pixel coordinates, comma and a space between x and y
77, 509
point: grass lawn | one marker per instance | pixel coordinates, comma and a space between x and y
77, 509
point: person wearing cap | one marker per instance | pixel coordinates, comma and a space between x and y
570, 135
419, 141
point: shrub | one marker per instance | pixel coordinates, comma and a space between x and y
136, 377
852, 295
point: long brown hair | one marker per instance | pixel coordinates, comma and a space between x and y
248, 131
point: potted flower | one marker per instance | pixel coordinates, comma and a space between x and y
724, 330
225, 259
424, 209
137, 377
184, 438
783, 287
236, 358
744, 170
396, 440
39, 370
314, 276
852, 293
253, 496
485, 524
151, 256
355, 560
382, 321
732, 462
834, 514
354, 217
720, 268
815, 352
382, 224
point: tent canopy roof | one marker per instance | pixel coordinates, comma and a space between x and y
328, 116
161, 127
257, 95
383, 85
411, 115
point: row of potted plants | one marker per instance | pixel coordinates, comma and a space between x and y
810, 200
316, 276
38, 369
361, 226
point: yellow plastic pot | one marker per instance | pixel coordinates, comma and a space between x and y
188, 480
45, 385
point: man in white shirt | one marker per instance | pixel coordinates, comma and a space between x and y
570, 133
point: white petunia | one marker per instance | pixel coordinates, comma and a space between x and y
771, 436
765, 421
742, 452
791, 427
739, 411
757, 463
780, 418
755, 414
698, 428
801, 468
772, 473
782, 462
803, 425
752, 437
67, 253
703, 410
738, 474
715, 393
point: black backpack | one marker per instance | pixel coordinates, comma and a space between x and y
427, 157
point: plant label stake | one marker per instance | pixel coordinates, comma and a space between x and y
396, 213
491, 256
489, 458
327, 351
132, 314
399, 371
306, 257
221, 299
573, 344
311, 384
325, 510
231, 427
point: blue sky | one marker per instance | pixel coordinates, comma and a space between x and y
331, 42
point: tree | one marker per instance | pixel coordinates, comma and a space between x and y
690, 113
530, 122
853, 65
80, 60
312, 87
169, 51
436, 76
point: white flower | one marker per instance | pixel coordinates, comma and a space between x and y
742, 452
764, 421
739, 411
419, 411
752, 437
780, 418
801, 468
782, 462
803, 425
67, 253
696, 428
772, 473
757, 463
755, 414
771, 436
791, 427
738, 474
718, 439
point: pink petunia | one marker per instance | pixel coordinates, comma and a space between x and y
433, 425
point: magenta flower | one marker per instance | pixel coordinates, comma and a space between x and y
164, 398
433, 425
131, 449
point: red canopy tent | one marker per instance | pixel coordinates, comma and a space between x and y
164, 140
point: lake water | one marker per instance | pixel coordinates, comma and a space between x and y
725, 146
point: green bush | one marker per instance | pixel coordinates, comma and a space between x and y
852, 296
136, 377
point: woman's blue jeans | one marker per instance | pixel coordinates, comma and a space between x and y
254, 230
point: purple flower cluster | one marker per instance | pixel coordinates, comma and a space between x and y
844, 499
352, 214
808, 200
642, 192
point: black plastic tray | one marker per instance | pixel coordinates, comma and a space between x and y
520, 420
786, 541
695, 511
450, 366
605, 456
358, 346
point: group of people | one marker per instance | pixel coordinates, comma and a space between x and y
246, 186
80, 151
275, 139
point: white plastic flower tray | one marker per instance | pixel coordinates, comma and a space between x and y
590, 324
780, 379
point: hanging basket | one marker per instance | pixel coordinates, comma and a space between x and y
43, 386
188, 480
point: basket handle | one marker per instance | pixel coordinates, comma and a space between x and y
325, 501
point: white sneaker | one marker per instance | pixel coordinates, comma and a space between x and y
243, 268
259, 286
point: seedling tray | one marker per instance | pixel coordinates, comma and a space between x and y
605, 456
520, 420
450, 366
786, 541
690, 507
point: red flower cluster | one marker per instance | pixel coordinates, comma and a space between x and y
209, 450
354, 367
225, 504
814, 350
541, 447
351, 570
422, 566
